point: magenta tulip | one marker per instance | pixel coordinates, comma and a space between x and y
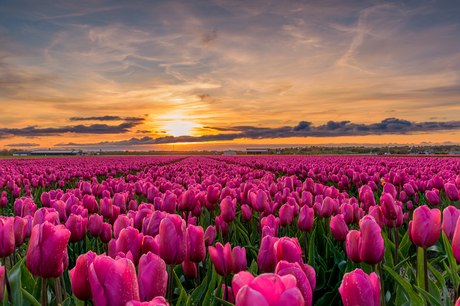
95, 225
294, 269
371, 246
196, 249
79, 276
228, 207
426, 226
352, 243
239, 262
209, 235
47, 250
360, 289
221, 258
449, 220
152, 277
269, 290
173, 243
113, 282
20, 229
268, 256
7, 236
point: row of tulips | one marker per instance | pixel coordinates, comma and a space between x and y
207, 231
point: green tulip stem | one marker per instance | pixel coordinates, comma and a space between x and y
97, 245
74, 252
170, 287
63, 286
425, 270
8, 287
57, 292
396, 241
305, 245
44, 295
382, 289
226, 288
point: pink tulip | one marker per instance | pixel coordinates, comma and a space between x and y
158, 301
360, 289
79, 276
95, 225
352, 243
209, 235
239, 262
196, 249
268, 255
426, 226
371, 246
173, 243
77, 227
288, 249
339, 228
113, 282
449, 221
152, 277
269, 290
228, 207
7, 236
47, 250
20, 230
221, 258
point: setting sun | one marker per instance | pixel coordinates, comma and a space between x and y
180, 128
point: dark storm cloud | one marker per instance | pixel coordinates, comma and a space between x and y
388, 126
107, 118
77, 129
23, 144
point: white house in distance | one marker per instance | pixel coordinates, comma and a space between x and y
256, 151
229, 152
21, 153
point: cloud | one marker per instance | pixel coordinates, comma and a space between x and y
77, 129
388, 126
207, 98
22, 144
108, 118
207, 39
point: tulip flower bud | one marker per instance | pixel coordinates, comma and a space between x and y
196, 249
289, 249
246, 212
77, 227
306, 219
106, 235
352, 244
339, 228
391, 189
451, 191
106, 208
239, 262
228, 208
152, 277
271, 222
20, 229
286, 215
449, 221
221, 258
47, 250
209, 235
113, 282
121, 223
79, 276
358, 288
371, 246
259, 200
189, 269
221, 225
432, 197
95, 225
426, 226
7, 236
388, 205
173, 244
169, 203
45, 214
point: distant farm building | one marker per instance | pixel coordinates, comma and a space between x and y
229, 152
256, 151
21, 153
56, 153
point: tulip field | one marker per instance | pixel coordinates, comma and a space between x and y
230, 230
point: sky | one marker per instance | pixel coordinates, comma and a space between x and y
225, 74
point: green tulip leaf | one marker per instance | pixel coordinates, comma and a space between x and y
429, 297
415, 299
30, 298
196, 295
223, 302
